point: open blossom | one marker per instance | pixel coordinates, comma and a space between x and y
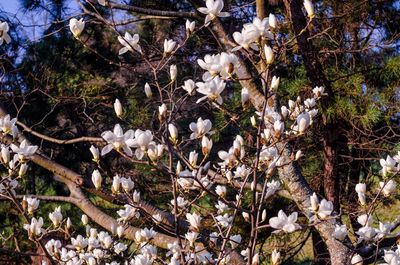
35, 227
143, 139
366, 233
325, 209
53, 246
8, 125
181, 202
169, 46
24, 150
213, 10
130, 43
319, 92
32, 204
361, 189
76, 26
189, 86
200, 128
284, 223
194, 220
206, 145
56, 216
211, 89
220, 190
127, 184
118, 140
235, 240
224, 220
4, 28
340, 232
275, 257
246, 38
145, 235
127, 213
356, 260
388, 188
388, 165
365, 220
120, 247
191, 237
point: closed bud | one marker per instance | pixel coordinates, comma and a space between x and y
272, 21
84, 219
173, 72
275, 82
263, 215
269, 54
147, 90
120, 231
118, 108
253, 121
22, 169
308, 5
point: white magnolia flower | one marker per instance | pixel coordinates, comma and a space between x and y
284, 223
97, 179
213, 10
145, 235
95, 153
136, 196
118, 140
155, 151
275, 83
193, 156
308, 5
356, 260
245, 96
23, 168
361, 189
120, 231
220, 190
8, 125
303, 122
273, 186
169, 46
206, 145
235, 240
211, 89
246, 37
200, 128
224, 220
366, 233
120, 247
325, 209
53, 247
118, 108
24, 150
127, 184
189, 86
340, 232
130, 43
191, 237
147, 90
275, 257
4, 28
314, 202
181, 202
269, 54
189, 25
173, 132
365, 220
385, 229
157, 218
84, 219
141, 260
388, 188
272, 21
392, 257
32, 204
5, 154
79, 242
221, 207
319, 92
173, 72
143, 139
162, 111
35, 227
116, 184
56, 216
127, 213
76, 26
194, 220
388, 165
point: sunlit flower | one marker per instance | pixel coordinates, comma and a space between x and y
130, 43
147, 90
211, 89
356, 260
169, 46
269, 54
24, 150
189, 86
366, 233
4, 28
308, 5
127, 184
235, 240
189, 25
200, 128
76, 26
56, 216
340, 232
118, 140
388, 188
97, 179
275, 257
194, 220
365, 220
32, 204
191, 237
284, 223
213, 10
8, 125
95, 153
272, 21
173, 72
325, 209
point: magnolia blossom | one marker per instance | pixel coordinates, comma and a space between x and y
275, 257
235, 240
130, 43
361, 189
118, 140
388, 165
194, 220
272, 21
8, 125
53, 246
24, 150
275, 83
35, 227
95, 153
206, 145
4, 28
96, 179
32, 204
303, 122
366, 233
173, 132
145, 235
388, 188
319, 92
56, 216
308, 5
211, 89
365, 220
220, 190
340, 232
356, 260
147, 90
284, 223
127, 184
189, 86
127, 213
173, 72
224, 220
246, 38
325, 209
269, 54
181, 202
120, 247
213, 10
76, 26
384, 230
189, 25
200, 128
84, 219
169, 46
245, 96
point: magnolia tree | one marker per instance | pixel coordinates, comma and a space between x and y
239, 184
